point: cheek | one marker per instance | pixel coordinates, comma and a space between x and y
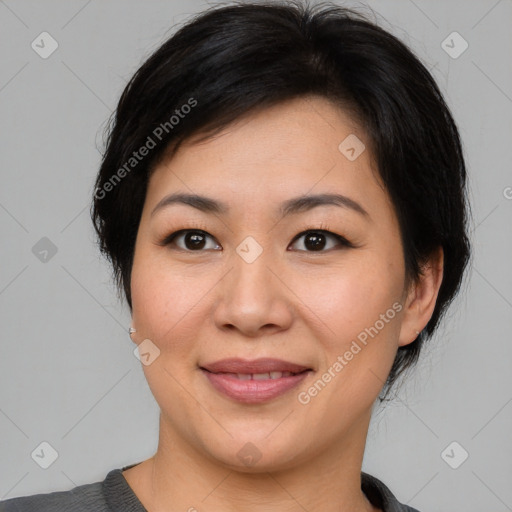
353, 296
163, 312
157, 296
360, 309
168, 300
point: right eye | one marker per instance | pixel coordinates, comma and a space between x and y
193, 240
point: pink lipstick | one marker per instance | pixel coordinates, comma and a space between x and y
254, 381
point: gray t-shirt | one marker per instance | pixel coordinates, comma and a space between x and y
115, 495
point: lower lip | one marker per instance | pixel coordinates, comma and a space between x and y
253, 391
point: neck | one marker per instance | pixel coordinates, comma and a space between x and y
179, 477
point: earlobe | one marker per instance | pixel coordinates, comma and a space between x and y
131, 331
422, 297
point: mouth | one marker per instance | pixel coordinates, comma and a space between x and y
257, 376
255, 381
260, 366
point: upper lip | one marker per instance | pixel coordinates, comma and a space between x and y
263, 365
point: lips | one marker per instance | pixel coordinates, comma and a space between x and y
256, 381
253, 367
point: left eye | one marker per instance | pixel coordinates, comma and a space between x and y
316, 241
313, 240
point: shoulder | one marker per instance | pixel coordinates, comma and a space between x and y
111, 495
80, 499
380, 495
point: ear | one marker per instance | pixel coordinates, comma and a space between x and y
421, 298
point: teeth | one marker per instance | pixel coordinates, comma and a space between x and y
260, 376
263, 376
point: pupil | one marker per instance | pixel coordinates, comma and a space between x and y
194, 241
314, 241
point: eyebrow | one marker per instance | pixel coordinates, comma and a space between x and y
288, 207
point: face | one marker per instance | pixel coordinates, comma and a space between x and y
251, 274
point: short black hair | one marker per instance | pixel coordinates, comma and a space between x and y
235, 59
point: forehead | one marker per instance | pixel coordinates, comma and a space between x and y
303, 146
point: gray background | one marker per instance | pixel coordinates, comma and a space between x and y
68, 375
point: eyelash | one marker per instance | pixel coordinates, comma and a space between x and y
169, 239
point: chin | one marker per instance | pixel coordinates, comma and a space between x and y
256, 454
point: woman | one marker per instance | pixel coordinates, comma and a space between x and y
283, 201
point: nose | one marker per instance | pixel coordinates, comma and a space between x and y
253, 299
